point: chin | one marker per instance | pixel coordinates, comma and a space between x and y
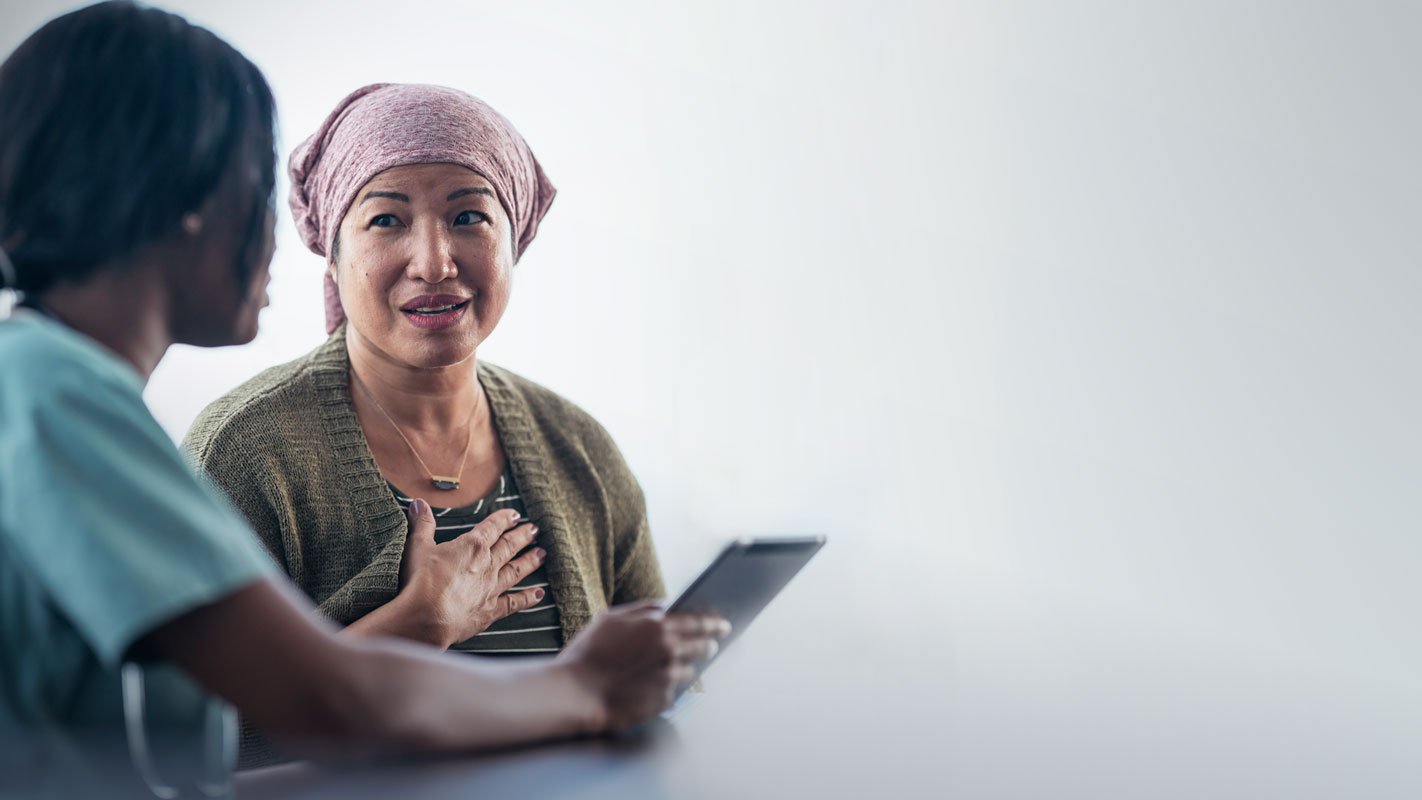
432, 349
236, 332
436, 355
244, 335
242, 330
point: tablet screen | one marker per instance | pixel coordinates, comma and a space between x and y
745, 577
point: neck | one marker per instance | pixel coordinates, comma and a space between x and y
124, 309
418, 398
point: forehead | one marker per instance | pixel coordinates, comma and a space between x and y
413, 179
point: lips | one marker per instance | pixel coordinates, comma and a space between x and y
435, 311
433, 303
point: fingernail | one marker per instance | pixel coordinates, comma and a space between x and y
417, 506
535, 529
537, 594
539, 553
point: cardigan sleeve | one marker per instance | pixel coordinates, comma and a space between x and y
636, 573
372, 586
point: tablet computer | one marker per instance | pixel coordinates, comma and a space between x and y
743, 580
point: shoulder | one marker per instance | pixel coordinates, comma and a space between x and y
45, 359
522, 401
55, 381
271, 407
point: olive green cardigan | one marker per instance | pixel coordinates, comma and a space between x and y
287, 448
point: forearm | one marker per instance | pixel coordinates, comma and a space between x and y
326, 695
424, 702
402, 619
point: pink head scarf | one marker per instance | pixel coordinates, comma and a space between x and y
388, 125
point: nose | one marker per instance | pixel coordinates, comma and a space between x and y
432, 259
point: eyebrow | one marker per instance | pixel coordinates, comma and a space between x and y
455, 195
390, 195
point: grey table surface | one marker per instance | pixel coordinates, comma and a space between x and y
635, 765
966, 685
786, 714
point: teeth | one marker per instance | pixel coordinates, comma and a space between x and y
439, 310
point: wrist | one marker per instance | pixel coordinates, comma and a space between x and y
591, 715
418, 621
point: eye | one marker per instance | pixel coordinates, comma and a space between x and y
471, 218
384, 221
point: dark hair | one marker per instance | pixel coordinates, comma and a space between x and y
115, 121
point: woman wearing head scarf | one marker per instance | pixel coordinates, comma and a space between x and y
136, 174
421, 199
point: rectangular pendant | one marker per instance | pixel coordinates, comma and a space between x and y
445, 483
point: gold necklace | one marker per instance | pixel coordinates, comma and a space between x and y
442, 482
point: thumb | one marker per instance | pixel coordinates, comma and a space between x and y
419, 535
420, 532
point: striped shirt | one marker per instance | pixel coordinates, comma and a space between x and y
536, 629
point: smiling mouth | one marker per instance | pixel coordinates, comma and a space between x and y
435, 311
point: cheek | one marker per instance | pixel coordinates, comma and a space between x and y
363, 279
496, 282
495, 265
361, 297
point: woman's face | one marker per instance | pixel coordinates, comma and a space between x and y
424, 263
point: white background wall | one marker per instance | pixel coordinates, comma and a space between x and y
1087, 331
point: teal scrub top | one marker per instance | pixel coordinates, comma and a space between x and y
106, 533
